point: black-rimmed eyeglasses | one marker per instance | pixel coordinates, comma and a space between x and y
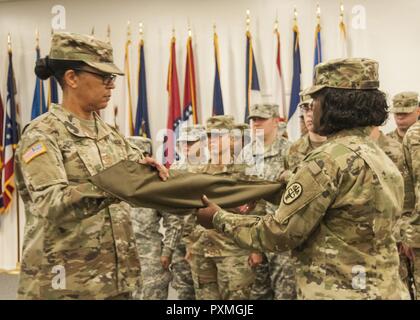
107, 78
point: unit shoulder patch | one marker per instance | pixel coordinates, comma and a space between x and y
292, 193
34, 151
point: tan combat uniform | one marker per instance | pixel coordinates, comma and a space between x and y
78, 241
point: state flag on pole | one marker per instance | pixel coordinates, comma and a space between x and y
11, 137
218, 109
252, 84
38, 103
52, 91
174, 109
318, 46
129, 104
142, 127
294, 98
1, 154
189, 113
278, 89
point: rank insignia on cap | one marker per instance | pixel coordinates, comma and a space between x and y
34, 151
292, 193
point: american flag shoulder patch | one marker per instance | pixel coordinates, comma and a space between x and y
34, 151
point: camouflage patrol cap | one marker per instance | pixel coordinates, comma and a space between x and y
80, 47
265, 111
144, 144
351, 73
405, 102
192, 133
219, 123
304, 98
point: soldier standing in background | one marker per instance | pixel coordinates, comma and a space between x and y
339, 208
192, 146
275, 277
411, 229
219, 267
406, 110
154, 248
307, 143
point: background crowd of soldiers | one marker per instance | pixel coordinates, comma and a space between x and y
205, 264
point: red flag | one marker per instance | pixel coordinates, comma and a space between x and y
189, 114
174, 109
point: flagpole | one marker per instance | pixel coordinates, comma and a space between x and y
318, 14
295, 25
17, 269
248, 20
127, 72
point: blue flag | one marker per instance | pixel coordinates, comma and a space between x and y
217, 90
142, 127
251, 82
318, 47
38, 103
294, 98
52, 91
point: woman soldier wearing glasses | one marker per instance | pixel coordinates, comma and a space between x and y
78, 241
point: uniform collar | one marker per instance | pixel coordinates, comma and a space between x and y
360, 132
74, 126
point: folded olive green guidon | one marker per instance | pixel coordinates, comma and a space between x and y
140, 186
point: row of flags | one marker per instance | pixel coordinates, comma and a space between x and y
176, 118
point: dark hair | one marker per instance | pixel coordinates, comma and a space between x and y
46, 67
349, 108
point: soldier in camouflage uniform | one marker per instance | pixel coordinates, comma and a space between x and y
411, 229
275, 276
339, 208
393, 150
307, 143
406, 110
78, 241
219, 267
192, 142
155, 251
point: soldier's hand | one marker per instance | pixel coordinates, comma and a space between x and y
205, 215
165, 262
163, 172
255, 259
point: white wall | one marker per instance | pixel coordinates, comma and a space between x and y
390, 36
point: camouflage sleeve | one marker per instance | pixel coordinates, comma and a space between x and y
308, 195
410, 225
173, 225
133, 152
39, 166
